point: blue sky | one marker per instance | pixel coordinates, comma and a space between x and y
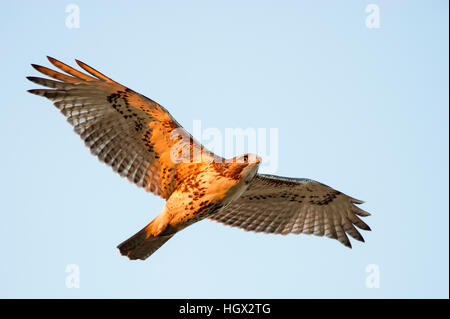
362, 110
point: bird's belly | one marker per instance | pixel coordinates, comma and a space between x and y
188, 207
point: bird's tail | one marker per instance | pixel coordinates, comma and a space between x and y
141, 245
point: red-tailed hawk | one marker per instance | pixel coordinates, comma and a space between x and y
141, 141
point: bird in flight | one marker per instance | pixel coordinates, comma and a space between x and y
141, 141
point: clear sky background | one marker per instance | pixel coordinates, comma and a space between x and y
362, 110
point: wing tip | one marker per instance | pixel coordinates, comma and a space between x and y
356, 201
94, 72
54, 61
359, 237
36, 66
81, 63
35, 91
347, 244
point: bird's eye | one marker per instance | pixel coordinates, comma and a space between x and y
245, 158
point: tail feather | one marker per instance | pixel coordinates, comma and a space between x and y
141, 247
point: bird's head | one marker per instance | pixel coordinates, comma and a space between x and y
249, 159
246, 165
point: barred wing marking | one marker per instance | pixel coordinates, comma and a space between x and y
281, 205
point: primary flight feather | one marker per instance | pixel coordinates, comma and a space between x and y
141, 141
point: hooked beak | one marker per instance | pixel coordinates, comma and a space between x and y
258, 160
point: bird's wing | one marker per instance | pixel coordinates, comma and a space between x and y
134, 135
281, 205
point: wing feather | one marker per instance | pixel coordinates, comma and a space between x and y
70, 70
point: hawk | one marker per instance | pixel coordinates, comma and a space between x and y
141, 141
